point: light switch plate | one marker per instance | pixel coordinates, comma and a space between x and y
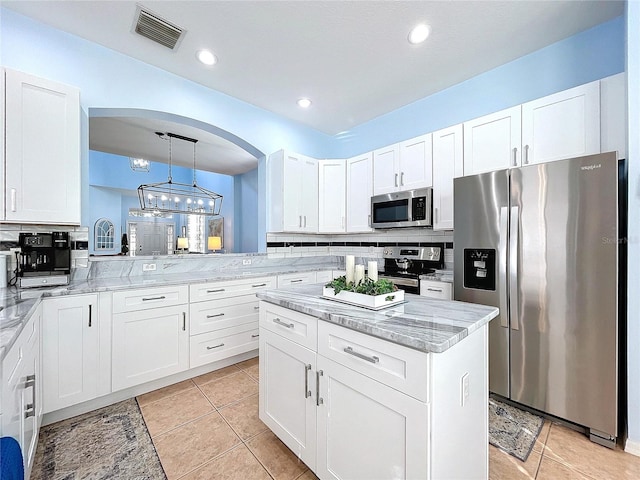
246, 261
148, 267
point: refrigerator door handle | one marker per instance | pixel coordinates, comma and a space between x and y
513, 267
502, 266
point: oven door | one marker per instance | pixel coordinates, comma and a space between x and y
409, 285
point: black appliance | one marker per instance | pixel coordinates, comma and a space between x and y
44, 259
404, 265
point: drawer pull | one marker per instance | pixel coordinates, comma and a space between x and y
215, 346
434, 290
30, 381
217, 290
255, 336
216, 315
351, 351
319, 400
89, 315
257, 307
307, 369
296, 281
153, 298
259, 285
30, 411
184, 321
284, 324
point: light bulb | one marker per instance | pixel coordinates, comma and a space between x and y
163, 198
188, 200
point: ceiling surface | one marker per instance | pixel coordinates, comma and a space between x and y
351, 58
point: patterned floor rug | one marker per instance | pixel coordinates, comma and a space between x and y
109, 443
513, 430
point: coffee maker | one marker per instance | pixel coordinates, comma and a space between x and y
44, 259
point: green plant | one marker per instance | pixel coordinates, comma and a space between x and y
366, 286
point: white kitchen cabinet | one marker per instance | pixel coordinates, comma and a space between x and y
416, 163
385, 169
42, 151
447, 165
359, 192
292, 193
70, 350
613, 114
436, 289
493, 142
149, 344
21, 390
224, 343
332, 192
324, 276
563, 125
301, 278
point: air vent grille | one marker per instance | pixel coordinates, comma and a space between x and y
157, 29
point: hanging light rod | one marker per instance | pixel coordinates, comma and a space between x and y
181, 137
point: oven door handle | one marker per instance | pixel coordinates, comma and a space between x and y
409, 282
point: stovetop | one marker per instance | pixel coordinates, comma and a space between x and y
413, 261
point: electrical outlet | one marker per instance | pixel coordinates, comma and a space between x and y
464, 389
246, 261
148, 267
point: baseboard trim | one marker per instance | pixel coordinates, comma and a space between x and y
132, 392
632, 447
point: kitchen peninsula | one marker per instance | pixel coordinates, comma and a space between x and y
396, 393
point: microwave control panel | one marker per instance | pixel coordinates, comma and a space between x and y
418, 208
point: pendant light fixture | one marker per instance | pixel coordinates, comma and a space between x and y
176, 197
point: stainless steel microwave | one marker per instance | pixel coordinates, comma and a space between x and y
411, 208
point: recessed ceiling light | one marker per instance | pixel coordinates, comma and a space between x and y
419, 34
304, 103
206, 57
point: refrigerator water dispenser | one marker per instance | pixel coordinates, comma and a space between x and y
480, 268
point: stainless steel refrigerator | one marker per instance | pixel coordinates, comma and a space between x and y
541, 243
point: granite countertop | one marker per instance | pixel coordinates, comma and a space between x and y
439, 276
424, 324
17, 305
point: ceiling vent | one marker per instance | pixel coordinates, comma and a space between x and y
155, 28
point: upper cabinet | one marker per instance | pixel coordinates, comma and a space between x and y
403, 166
359, 192
292, 193
42, 151
613, 114
562, 125
492, 142
332, 188
447, 165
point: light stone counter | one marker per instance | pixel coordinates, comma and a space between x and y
425, 324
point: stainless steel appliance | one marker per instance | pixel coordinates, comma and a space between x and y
44, 259
404, 265
541, 243
411, 208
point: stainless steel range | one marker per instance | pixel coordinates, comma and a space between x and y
404, 265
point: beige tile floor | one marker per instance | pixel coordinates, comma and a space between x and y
207, 428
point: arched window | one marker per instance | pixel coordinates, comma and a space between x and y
104, 235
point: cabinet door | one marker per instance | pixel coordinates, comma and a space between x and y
447, 164
308, 186
368, 430
562, 125
613, 114
42, 144
359, 192
492, 142
332, 185
70, 350
149, 344
385, 170
292, 208
416, 163
287, 394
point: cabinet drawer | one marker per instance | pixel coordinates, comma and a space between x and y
296, 279
201, 292
209, 347
298, 327
399, 367
142, 299
436, 289
223, 313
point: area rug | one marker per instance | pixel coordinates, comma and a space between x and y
512, 430
109, 443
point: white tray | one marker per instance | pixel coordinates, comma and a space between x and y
372, 302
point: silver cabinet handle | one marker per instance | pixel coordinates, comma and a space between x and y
342, 222
259, 285
526, 154
307, 369
300, 221
513, 267
502, 262
217, 290
184, 321
296, 281
257, 308
30, 410
319, 400
13, 199
153, 298
395, 182
216, 315
255, 335
30, 381
284, 324
215, 346
434, 290
402, 179
89, 315
351, 351
515, 157
435, 210
369, 220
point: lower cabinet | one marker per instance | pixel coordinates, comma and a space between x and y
219, 344
149, 344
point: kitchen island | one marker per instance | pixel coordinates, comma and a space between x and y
360, 394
